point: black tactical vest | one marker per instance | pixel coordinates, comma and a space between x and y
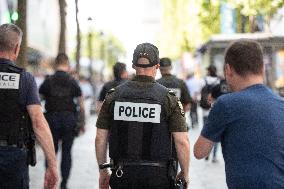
60, 95
139, 129
13, 117
171, 82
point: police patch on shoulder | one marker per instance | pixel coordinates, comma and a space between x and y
181, 108
111, 90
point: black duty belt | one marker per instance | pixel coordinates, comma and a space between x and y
118, 166
150, 164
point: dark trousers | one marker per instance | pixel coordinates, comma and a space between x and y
62, 125
193, 114
135, 177
13, 168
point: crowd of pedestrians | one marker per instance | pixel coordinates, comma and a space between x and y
141, 123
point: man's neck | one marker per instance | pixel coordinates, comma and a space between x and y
243, 83
7, 56
62, 68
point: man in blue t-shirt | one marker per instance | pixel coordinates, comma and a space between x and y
249, 123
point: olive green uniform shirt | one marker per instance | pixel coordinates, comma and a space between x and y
185, 97
173, 108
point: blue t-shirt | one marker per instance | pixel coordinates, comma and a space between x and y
250, 126
28, 89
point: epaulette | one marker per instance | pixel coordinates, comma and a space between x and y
111, 90
172, 93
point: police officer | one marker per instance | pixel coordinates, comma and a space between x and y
120, 76
60, 90
172, 82
20, 116
141, 119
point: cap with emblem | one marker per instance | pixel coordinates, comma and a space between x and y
148, 51
165, 62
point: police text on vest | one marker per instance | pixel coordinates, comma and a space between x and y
140, 112
9, 80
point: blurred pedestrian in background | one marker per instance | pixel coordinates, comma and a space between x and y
249, 123
170, 81
194, 87
59, 91
120, 76
20, 118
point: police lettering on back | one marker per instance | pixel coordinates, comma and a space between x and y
140, 112
9, 80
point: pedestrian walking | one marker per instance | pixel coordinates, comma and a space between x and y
59, 91
141, 120
249, 123
21, 118
194, 87
170, 81
120, 76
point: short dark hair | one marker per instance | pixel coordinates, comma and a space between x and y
10, 36
61, 59
245, 56
212, 70
118, 69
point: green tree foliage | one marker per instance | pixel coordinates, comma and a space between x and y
106, 47
209, 16
250, 9
179, 23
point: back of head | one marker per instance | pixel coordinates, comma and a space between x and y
118, 69
212, 70
246, 57
147, 51
61, 60
10, 37
165, 62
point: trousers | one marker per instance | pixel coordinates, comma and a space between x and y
13, 168
141, 177
62, 125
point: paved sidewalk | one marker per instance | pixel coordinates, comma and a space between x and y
84, 174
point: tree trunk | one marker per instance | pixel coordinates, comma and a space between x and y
90, 49
62, 39
243, 23
22, 23
78, 48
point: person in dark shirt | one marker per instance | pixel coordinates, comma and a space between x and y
14, 154
170, 81
120, 75
249, 123
59, 91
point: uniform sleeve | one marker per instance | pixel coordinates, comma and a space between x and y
102, 94
185, 95
105, 117
43, 89
217, 122
176, 114
76, 89
32, 96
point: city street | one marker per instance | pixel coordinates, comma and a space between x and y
84, 175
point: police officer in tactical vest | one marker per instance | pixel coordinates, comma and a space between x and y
172, 82
21, 118
140, 120
59, 91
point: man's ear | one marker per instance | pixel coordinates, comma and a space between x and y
157, 66
229, 70
17, 49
